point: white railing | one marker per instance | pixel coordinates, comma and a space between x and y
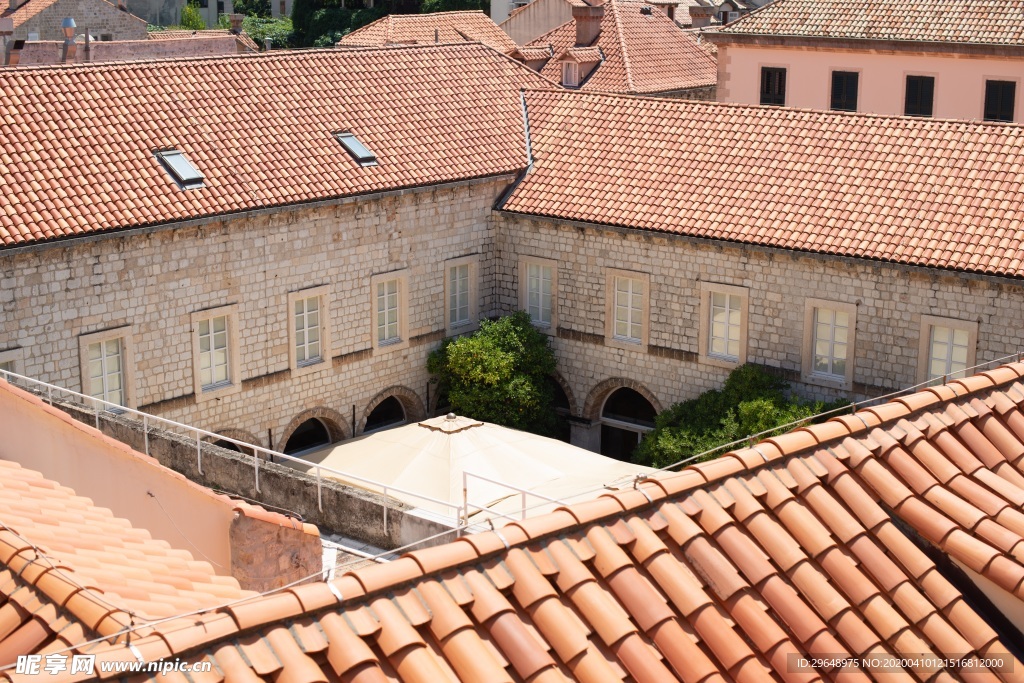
100, 406
524, 494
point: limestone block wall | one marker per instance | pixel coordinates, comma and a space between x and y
96, 17
152, 283
890, 302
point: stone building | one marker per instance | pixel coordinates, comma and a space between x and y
959, 59
41, 19
424, 29
281, 277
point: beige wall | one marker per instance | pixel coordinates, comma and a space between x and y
889, 301
534, 20
95, 16
51, 51
154, 283
959, 80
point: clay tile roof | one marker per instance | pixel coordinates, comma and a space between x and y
875, 544
431, 115
30, 8
530, 54
875, 187
242, 38
991, 22
440, 27
643, 53
583, 55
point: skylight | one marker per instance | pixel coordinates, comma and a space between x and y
180, 169
359, 152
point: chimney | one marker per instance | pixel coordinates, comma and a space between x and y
236, 23
588, 23
67, 27
701, 16
671, 12
268, 43
14, 4
122, 5
13, 55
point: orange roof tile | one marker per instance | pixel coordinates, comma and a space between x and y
439, 27
244, 38
838, 545
942, 194
643, 53
991, 22
30, 8
431, 114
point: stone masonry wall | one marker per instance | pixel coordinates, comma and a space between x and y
890, 301
96, 17
154, 281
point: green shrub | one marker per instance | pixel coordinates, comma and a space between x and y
278, 30
191, 19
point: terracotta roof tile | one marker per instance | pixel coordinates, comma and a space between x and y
648, 163
995, 22
639, 53
244, 38
430, 114
439, 27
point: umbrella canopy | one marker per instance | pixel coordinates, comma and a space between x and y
428, 459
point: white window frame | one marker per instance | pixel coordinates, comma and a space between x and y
924, 349
707, 292
15, 357
808, 374
402, 341
233, 385
124, 334
611, 339
305, 367
525, 262
472, 263
570, 74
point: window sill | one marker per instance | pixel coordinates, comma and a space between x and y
829, 381
308, 367
722, 362
217, 391
389, 345
628, 343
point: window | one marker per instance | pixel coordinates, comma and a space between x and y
180, 169
388, 293
215, 352
10, 361
460, 288
627, 307
538, 281
920, 96
570, 74
999, 100
33, 35
7, 366
947, 348
830, 329
844, 90
723, 330
773, 86
309, 330
356, 149
106, 366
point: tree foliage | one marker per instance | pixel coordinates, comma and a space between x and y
260, 28
430, 6
751, 401
191, 19
500, 374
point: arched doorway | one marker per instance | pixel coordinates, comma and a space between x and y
309, 435
625, 418
228, 445
388, 413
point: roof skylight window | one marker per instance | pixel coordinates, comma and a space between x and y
180, 169
358, 151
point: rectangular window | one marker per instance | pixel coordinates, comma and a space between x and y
7, 366
831, 341
458, 295
106, 373
947, 352
1000, 97
387, 312
570, 74
538, 293
629, 303
214, 371
920, 96
773, 86
724, 331
844, 90
307, 331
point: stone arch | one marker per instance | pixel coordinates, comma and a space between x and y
573, 404
331, 419
410, 400
600, 393
238, 435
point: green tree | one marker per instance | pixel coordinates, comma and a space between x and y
429, 6
500, 374
278, 30
191, 19
751, 401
